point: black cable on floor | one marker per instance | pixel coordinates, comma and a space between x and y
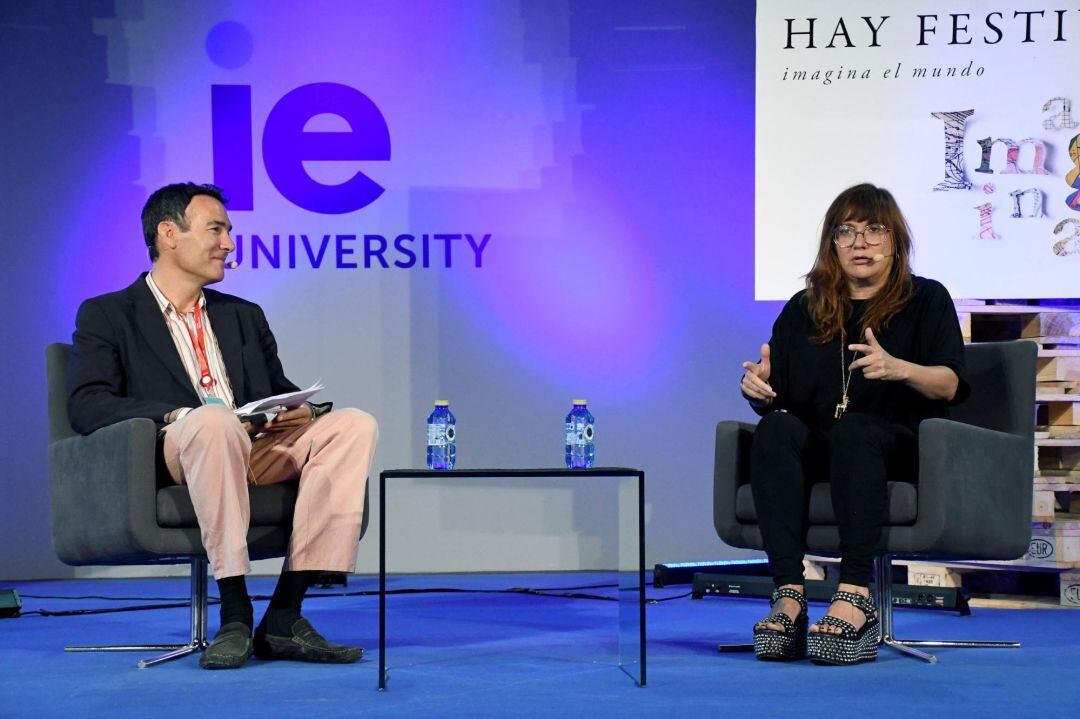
110, 610
179, 602
103, 598
667, 599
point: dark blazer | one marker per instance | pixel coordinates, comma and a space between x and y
124, 363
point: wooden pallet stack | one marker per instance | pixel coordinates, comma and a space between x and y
1055, 532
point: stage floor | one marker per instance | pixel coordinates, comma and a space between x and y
499, 655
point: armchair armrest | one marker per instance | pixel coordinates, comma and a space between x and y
975, 490
731, 468
103, 493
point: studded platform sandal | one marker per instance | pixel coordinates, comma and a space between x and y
771, 645
851, 645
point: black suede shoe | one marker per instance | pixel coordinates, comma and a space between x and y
303, 644
230, 648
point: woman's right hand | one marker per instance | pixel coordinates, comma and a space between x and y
755, 380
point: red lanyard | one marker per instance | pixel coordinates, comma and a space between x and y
205, 378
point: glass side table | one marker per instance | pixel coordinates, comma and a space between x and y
624, 488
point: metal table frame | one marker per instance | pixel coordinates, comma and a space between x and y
490, 473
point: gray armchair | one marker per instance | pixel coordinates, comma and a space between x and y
113, 504
973, 495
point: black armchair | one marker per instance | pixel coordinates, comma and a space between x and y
113, 504
972, 499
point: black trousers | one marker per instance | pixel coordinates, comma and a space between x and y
856, 457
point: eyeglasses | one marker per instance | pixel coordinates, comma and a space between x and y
844, 235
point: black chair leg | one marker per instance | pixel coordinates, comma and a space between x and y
199, 602
883, 578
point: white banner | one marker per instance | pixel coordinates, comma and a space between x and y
961, 109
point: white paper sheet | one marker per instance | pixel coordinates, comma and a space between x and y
288, 400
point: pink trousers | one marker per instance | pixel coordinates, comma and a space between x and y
210, 452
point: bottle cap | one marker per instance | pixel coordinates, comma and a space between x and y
580, 403
442, 403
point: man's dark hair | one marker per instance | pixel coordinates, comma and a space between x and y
170, 203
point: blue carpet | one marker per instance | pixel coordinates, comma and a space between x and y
499, 655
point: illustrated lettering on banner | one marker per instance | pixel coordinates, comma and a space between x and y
955, 171
986, 221
1027, 202
1012, 155
1069, 245
1059, 120
1072, 177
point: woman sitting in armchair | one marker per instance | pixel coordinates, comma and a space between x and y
855, 362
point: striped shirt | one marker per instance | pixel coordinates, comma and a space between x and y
179, 326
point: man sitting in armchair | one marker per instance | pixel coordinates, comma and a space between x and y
185, 357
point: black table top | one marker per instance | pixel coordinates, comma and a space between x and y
512, 472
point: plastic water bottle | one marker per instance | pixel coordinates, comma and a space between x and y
441, 437
580, 447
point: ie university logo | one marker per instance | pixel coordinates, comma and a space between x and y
286, 146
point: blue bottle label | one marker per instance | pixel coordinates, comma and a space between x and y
581, 434
440, 435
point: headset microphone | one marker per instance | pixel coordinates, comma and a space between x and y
879, 257
232, 265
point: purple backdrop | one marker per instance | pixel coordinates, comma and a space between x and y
606, 147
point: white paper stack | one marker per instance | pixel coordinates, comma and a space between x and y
288, 400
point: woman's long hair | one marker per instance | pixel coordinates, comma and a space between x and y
827, 290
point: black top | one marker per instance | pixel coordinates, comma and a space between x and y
806, 374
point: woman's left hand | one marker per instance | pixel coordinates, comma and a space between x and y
876, 362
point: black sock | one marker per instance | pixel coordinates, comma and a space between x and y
284, 607
235, 602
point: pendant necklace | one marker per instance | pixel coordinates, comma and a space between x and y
845, 380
